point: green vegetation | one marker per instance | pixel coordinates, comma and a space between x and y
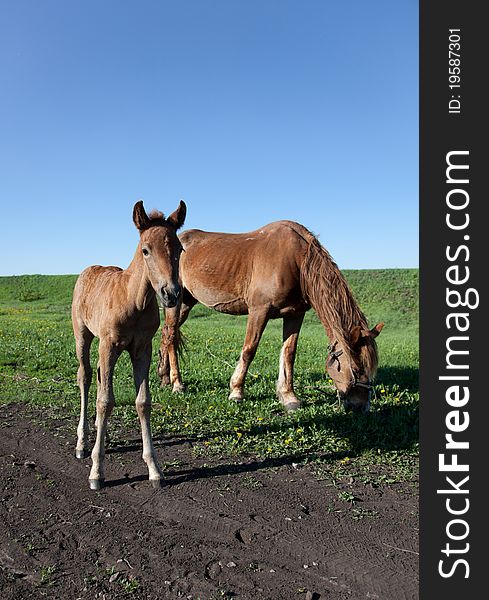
38, 365
47, 574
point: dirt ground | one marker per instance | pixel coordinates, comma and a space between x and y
255, 529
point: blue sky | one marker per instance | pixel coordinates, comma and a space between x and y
250, 110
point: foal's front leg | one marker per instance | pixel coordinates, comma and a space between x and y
84, 377
108, 355
141, 360
257, 321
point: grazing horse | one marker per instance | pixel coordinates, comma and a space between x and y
120, 308
278, 271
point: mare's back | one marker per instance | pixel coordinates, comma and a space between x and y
219, 267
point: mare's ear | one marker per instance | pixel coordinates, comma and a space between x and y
177, 218
357, 333
139, 216
374, 332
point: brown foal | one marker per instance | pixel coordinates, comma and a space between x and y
120, 308
278, 271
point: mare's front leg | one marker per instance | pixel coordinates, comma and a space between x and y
285, 383
257, 320
108, 355
171, 341
141, 360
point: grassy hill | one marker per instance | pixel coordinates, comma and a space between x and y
390, 295
38, 365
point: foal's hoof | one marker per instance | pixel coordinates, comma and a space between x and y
96, 484
178, 388
157, 483
82, 453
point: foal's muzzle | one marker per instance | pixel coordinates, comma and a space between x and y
169, 296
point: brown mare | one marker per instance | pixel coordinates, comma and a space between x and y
278, 271
120, 308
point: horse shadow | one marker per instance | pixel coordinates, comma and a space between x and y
159, 441
389, 427
406, 378
173, 477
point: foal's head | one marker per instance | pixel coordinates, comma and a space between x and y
352, 366
161, 249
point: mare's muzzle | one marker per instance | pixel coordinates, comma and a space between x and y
358, 397
356, 408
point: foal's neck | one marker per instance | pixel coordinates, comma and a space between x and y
139, 287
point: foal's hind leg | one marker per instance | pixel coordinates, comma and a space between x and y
84, 339
141, 359
108, 355
257, 321
285, 383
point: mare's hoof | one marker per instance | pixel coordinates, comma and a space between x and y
96, 484
157, 483
292, 406
82, 453
164, 380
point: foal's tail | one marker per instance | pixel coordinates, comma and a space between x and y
172, 336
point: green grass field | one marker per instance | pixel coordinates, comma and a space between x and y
38, 366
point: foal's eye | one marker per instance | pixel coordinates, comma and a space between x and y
145, 251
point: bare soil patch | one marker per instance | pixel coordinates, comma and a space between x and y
242, 528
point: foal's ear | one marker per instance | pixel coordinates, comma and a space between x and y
177, 218
139, 216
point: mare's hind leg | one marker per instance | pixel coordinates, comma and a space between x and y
257, 321
168, 368
285, 383
141, 360
84, 339
108, 355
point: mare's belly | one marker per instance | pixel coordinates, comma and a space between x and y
220, 300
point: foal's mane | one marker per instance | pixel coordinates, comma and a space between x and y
156, 218
330, 296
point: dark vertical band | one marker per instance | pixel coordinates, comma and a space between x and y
454, 242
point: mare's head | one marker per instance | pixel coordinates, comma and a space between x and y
352, 364
161, 249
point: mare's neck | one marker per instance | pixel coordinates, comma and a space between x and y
139, 287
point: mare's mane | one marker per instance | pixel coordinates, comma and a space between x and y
330, 296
